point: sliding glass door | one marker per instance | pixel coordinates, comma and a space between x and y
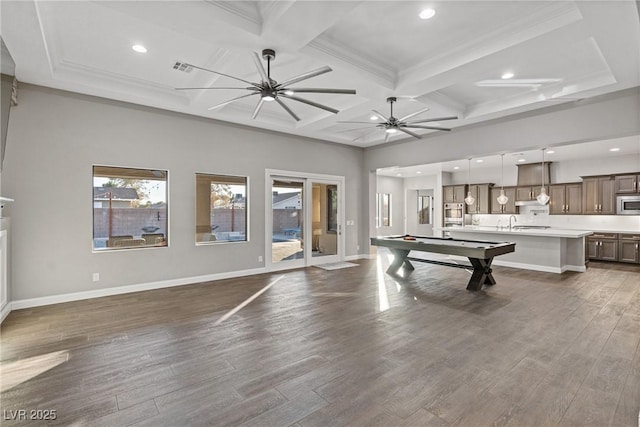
287, 221
305, 220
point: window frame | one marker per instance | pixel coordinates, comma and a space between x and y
246, 208
166, 236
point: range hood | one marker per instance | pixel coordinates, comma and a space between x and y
530, 175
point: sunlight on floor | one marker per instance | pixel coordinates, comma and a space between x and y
16, 372
247, 301
383, 298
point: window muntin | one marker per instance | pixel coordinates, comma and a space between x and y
130, 208
221, 208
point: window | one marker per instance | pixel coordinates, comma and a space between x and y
424, 209
129, 208
221, 208
332, 208
383, 210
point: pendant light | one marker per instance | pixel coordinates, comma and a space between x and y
543, 197
502, 198
469, 200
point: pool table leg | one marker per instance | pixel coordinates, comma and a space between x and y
481, 274
399, 258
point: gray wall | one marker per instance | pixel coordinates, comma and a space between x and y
395, 187
54, 139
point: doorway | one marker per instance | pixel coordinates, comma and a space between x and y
304, 219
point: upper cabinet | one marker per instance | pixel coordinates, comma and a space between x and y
565, 199
626, 184
482, 194
509, 207
598, 195
453, 193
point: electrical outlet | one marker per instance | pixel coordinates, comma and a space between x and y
259, 258
96, 277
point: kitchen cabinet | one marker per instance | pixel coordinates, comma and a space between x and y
482, 193
510, 207
603, 246
627, 184
598, 195
527, 193
454, 193
565, 199
629, 248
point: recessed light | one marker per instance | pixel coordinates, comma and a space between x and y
479, 161
418, 172
139, 48
614, 149
398, 174
521, 160
373, 118
427, 14
507, 75
550, 152
456, 167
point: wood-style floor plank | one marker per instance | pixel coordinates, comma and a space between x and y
351, 347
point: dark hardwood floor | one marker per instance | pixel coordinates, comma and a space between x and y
350, 347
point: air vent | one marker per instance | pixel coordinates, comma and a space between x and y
181, 66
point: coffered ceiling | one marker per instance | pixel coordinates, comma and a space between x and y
453, 63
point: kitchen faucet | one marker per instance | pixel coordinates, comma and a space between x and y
514, 220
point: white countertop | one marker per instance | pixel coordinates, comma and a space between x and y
539, 232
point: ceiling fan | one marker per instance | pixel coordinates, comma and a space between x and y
269, 89
392, 125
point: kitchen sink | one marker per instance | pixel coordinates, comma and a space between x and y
530, 227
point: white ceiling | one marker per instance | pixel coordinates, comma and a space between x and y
378, 48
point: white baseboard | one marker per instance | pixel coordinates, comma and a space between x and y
544, 268
5, 311
359, 256
76, 296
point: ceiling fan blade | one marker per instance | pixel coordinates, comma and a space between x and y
305, 76
321, 90
380, 115
426, 127
263, 73
413, 114
435, 119
209, 88
313, 104
287, 109
221, 74
231, 100
408, 132
257, 110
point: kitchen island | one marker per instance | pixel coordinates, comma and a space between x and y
552, 250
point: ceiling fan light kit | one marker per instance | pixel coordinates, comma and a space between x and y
269, 89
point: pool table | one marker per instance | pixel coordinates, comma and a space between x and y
480, 254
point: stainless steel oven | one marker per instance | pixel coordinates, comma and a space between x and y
453, 214
628, 205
